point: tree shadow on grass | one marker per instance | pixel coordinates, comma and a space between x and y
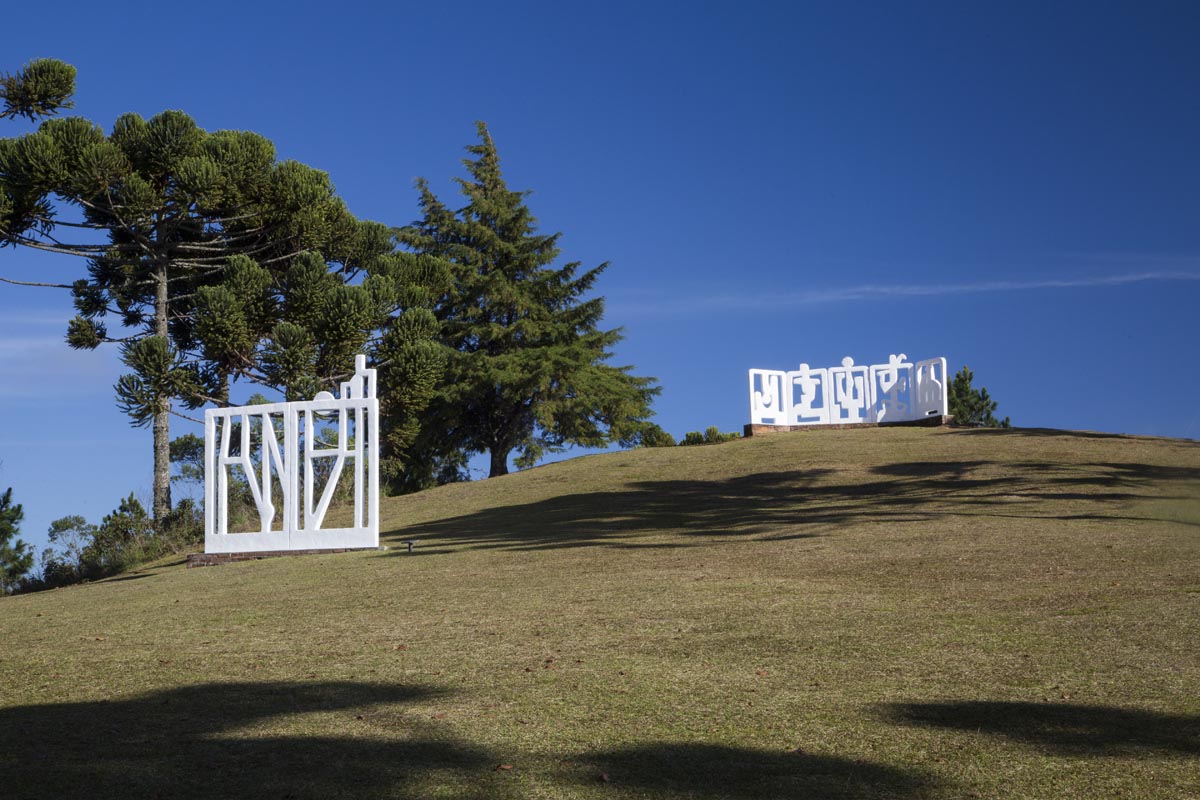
682, 769
793, 504
1052, 432
1066, 729
200, 741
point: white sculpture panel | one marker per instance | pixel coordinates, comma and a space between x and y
892, 383
317, 446
898, 391
770, 395
810, 393
851, 397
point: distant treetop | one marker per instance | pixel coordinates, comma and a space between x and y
41, 88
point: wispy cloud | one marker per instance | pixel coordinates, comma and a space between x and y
872, 290
17, 320
883, 291
45, 367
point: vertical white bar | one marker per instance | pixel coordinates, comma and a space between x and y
210, 475
290, 481
308, 473
945, 387
372, 427
359, 432
753, 410
265, 455
223, 476
245, 444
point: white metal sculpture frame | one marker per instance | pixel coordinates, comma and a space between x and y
898, 391
292, 467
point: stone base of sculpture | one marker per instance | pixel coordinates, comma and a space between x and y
759, 429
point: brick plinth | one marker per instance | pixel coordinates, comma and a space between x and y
216, 559
754, 429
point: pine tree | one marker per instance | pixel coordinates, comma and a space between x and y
16, 557
525, 357
971, 406
196, 243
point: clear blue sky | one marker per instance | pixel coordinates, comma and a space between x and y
1014, 186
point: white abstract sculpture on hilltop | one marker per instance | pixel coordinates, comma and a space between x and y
247, 437
897, 391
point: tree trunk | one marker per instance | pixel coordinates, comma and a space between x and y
499, 462
162, 414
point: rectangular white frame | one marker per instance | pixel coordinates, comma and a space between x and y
303, 513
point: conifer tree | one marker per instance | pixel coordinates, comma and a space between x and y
413, 362
526, 361
971, 406
16, 558
195, 242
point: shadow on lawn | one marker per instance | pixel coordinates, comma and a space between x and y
199, 741
1065, 729
212, 740
797, 504
714, 771
1052, 432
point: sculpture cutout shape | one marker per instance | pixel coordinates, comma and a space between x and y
898, 391
325, 441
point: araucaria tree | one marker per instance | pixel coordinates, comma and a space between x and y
526, 361
15, 556
200, 244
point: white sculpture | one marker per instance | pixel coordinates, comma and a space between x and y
813, 406
248, 437
897, 391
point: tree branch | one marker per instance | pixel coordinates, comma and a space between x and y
35, 283
84, 251
185, 416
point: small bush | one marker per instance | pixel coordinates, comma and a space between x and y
712, 435
654, 436
124, 539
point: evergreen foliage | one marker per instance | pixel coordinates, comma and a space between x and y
15, 556
971, 406
712, 435
125, 537
201, 246
654, 436
128, 527
525, 361
40, 89
187, 454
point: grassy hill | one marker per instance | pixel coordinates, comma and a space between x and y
830, 614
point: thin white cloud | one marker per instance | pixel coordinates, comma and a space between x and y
882, 291
129, 443
45, 367
26, 344
870, 290
21, 319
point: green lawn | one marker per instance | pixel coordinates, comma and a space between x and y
828, 614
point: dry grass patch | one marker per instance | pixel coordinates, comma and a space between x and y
883, 613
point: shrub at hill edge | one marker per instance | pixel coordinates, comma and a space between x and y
15, 556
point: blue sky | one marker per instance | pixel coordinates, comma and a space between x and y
1014, 186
